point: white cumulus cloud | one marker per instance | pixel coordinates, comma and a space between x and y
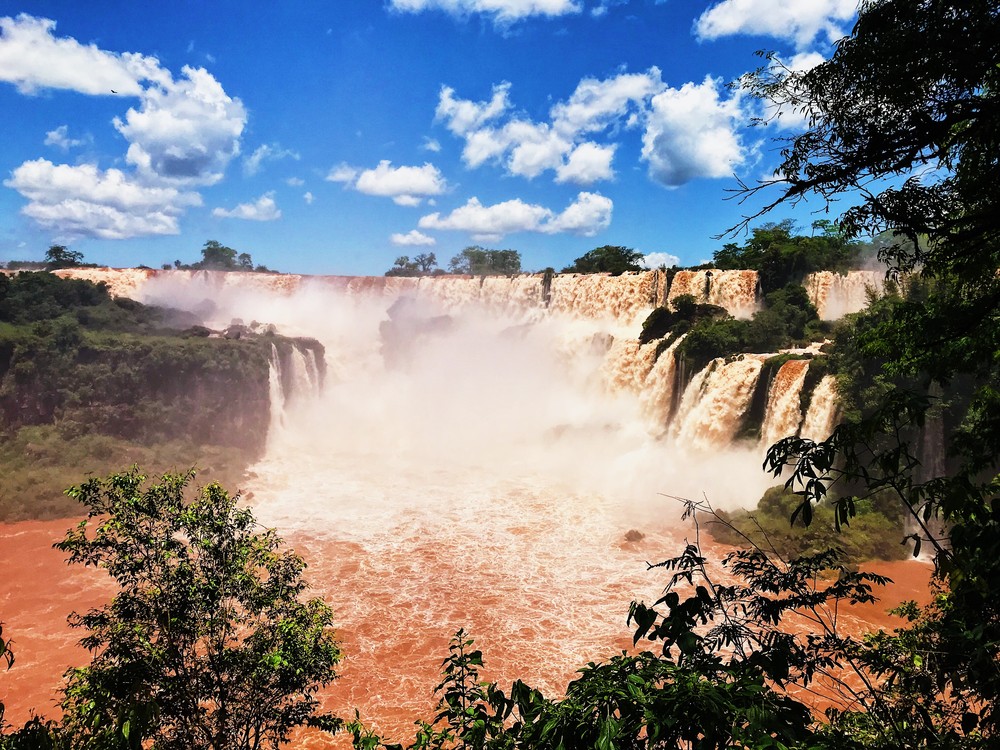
799, 22
692, 132
342, 173
186, 131
262, 209
502, 11
407, 186
587, 215
596, 104
565, 144
587, 163
83, 201
32, 58
182, 133
60, 138
413, 238
463, 116
655, 260
308, 198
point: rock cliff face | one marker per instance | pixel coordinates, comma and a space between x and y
147, 388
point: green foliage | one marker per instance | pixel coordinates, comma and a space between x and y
479, 261
137, 387
875, 532
783, 322
60, 256
782, 258
218, 257
906, 107
38, 462
33, 297
613, 259
208, 642
672, 323
421, 265
88, 383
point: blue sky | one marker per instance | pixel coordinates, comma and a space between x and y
334, 137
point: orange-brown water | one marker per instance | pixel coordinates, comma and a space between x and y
392, 652
482, 477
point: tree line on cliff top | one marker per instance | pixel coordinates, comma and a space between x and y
214, 257
905, 119
775, 251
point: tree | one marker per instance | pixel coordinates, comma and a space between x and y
216, 256
612, 259
208, 643
904, 116
781, 257
421, 265
426, 262
480, 261
403, 266
60, 256
905, 119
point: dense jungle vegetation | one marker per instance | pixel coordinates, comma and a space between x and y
905, 119
92, 383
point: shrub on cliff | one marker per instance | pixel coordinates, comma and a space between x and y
787, 319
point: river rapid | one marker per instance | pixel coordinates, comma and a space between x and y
481, 471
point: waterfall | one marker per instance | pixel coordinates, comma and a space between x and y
821, 416
835, 295
627, 365
783, 414
713, 405
709, 411
300, 374
275, 391
624, 298
657, 394
294, 377
736, 291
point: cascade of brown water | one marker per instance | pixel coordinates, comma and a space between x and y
821, 416
715, 402
627, 365
624, 298
121, 282
783, 414
657, 395
736, 291
835, 295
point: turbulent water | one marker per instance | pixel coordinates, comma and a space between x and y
477, 455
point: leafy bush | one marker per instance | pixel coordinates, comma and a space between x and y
781, 258
875, 533
613, 259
